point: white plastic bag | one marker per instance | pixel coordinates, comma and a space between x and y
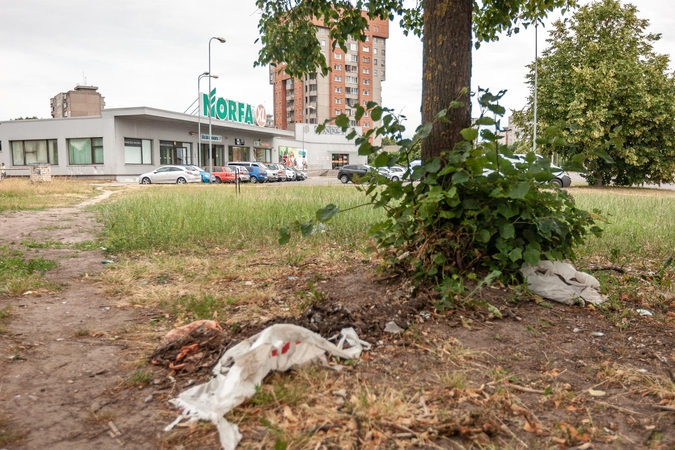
244, 366
562, 283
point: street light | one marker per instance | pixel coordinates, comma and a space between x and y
199, 113
222, 41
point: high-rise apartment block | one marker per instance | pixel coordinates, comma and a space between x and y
356, 78
80, 102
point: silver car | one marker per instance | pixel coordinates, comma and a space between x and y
171, 174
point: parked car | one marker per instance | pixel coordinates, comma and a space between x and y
203, 173
396, 173
257, 170
290, 174
300, 175
224, 174
171, 174
279, 169
560, 177
242, 174
347, 173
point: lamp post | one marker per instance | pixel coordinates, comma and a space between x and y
222, 41
199, 113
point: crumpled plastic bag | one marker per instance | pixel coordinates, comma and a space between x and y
562, 283
244, 366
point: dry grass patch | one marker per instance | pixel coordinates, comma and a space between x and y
9, 431
20, 194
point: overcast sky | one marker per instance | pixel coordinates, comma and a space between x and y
150, 53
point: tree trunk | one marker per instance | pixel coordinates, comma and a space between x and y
447, 70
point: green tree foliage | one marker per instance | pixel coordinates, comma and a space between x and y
288, 33
26, 118
602, 84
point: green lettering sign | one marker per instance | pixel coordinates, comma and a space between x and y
230, 110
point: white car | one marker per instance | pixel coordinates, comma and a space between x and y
171, 174
290, 174
396, 173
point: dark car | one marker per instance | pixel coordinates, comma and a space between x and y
346, 173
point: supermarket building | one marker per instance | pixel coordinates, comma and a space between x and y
122, 143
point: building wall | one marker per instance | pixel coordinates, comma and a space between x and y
83, 101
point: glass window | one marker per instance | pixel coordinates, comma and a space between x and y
366, 81
338, 78
337, 55
137, 151
374, 51
171, 152
339, 160
338, 101
262, 154
238, 153
85, 151
366, 49
338, 89
32, 152
353, 47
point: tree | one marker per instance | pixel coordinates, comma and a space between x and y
611, 95
288, 33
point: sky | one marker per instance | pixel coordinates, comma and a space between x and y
150, 53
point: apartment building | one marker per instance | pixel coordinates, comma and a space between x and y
83, 101
356, 78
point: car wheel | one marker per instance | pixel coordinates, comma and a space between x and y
394, 178
556, 182
146, 180
344, 179
181, 180
254, 180
218, 181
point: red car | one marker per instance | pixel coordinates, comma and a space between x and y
227, 174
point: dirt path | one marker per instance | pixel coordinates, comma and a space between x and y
61, 361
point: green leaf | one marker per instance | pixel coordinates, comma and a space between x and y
507, 210
515, 255
423, 131
508, 231
483, 236
485, 121
381, 160
532, 256
469, 134
342, 121
433, 166
376, 113
520, 190
284, 236
604, 155
307, 228
326, 213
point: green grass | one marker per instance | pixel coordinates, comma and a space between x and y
640, 223
18, 275
18, 194
175, 220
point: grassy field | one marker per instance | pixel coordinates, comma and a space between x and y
18, 194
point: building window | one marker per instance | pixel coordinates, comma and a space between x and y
339, 160
353, 80
375, 62
34, 152
366, 60
171, 152
137, 151
85, 151
337, 67
383, 74
338, 101
375, 72
353, 47
337, 55
366, 49
366, 81
366, 124
354, 91
366, 114
383, 52
323, 42
374, 51
338, 78
367, 38
383, 63
353, 123
366, 70
324, 31
354, 58
366, 92
338, 89
338, 112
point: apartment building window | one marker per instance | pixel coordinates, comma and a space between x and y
353, 47
338, 101
366, 124
367, 38
375, 62
383, 63
338, 89
29, 152
338, 78
374, 51
383, 74
375, 72
85, 151
366, 92
366, 81
337, 55
324, 31
366, 49
137, 151
312, 98
376, 28
337, 67
353, 58
383, 52
353, 123
366, 114
366, 70
366, 60
353, 80
350, 90
323, 42
338, 112
312, 88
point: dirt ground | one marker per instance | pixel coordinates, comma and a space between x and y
544, 376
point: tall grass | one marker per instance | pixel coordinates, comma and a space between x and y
20, 194
193, 217
641, 222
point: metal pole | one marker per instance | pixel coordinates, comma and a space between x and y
199, 115
536, 86
222, 41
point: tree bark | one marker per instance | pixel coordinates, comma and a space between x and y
447, 70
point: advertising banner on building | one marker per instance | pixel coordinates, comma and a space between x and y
293, 156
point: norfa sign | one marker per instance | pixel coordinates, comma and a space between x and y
232, 111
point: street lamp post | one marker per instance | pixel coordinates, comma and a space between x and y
222, 41
199, 113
